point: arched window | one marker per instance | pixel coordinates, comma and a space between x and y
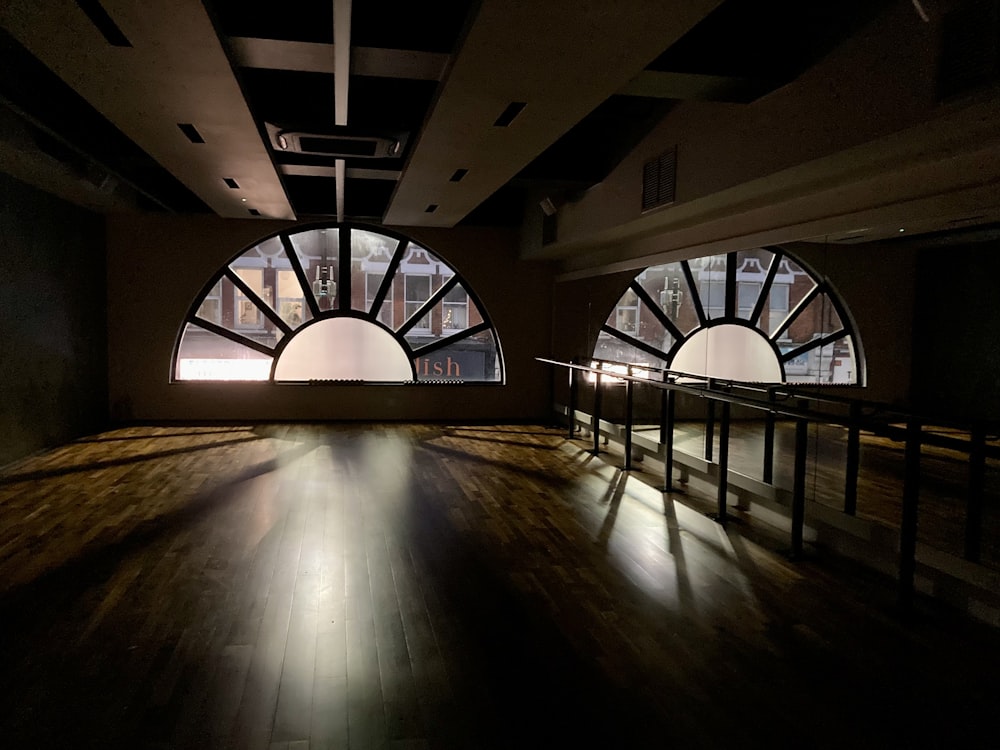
338, 302
754, 315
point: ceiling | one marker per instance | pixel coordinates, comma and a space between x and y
386, 112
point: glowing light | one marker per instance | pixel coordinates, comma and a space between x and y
224, 369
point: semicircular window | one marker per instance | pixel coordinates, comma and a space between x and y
754, 316
338, 303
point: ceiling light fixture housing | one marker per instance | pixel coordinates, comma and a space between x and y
340, 143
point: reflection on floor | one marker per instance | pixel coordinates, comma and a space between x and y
423, 586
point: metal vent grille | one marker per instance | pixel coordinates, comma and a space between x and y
970, 48
659, 180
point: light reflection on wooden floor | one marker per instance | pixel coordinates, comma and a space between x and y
424, 586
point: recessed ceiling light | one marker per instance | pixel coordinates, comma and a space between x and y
902, 230
243, 199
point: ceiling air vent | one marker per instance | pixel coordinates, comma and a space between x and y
346, 145
659, 180
970, 48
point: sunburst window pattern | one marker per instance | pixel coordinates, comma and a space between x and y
753, 315
338, 303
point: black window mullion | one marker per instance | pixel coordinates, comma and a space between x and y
387, 279
232, 336
300, 274
695, 294
449, 340
730, 285
637, 343
810, 345
765, 289
790, 318
344, 269
657, 311
428, 305
253, 297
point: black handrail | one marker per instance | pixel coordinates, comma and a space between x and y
795, 405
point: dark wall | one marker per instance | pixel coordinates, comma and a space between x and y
53, 369
956, 341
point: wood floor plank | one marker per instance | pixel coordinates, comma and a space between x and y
446, 587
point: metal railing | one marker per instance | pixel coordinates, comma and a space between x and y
802, 406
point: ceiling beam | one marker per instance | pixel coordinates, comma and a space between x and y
170, 71
312, 57
341, 60
560, 59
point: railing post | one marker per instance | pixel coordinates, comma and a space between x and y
799, 486
629, 395
853, 467
596, 420
667, 438
974, 508
908, 525
769, 443
572, 400
710, 424
723, 484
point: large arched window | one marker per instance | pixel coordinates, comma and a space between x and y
754, 315
337, 303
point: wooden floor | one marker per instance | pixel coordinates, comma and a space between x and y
419, 586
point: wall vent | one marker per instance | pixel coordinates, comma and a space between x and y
659, 180
970, 48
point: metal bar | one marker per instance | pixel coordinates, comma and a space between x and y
908, 524
572, 403
709, 428
974, 509
853, 467
668, 443
595, 423
799, 486
769, 421
629, 395
876, 423
723, 484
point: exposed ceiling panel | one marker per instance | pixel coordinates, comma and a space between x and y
590, 51
101, 97
151, 85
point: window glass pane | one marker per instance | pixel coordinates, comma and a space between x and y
342, 348
751, 271
422, 274
370, 257
791, 285
615, 350
832, 363
203, 355
710, 275
473, 359
638, 321
241, 315
747, 293
418, 291
455, 310
625, 315
819, 318
318, 252
211, 306
668, 287
385, 312
292, 305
